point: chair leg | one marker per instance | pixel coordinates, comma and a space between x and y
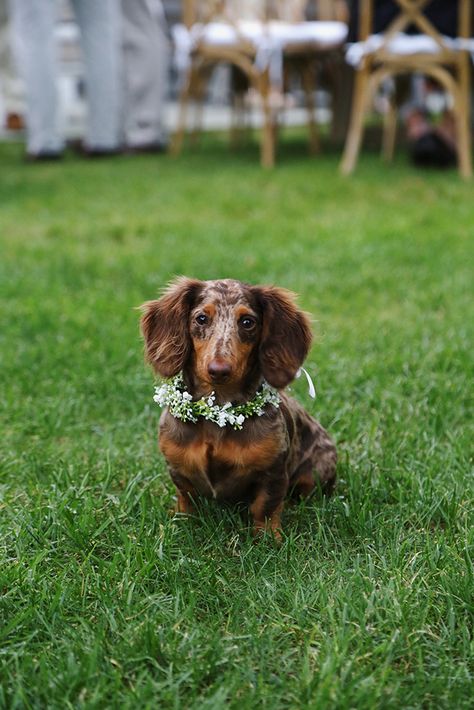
389, 132
309, 81
463, 142
267, 153
342, 88
237, 126
197, 125
462, 115
176, 144
267, 148
356, 126
199, 91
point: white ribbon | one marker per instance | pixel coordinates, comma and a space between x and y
270, 56
311, 390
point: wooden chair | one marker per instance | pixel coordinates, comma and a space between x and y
260, 38
436, 56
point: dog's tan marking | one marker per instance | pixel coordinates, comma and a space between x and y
208, 308
258, 455
244, 310
184, 503
193, 459
261, 523
189, 459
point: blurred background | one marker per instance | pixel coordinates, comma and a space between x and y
121, 75
72, 85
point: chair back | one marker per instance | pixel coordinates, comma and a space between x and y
225, 10
413, 13
330, 10
286, 10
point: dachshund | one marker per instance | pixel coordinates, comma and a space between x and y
227, 338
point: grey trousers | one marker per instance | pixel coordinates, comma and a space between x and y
33, 23
145, 71
11, 86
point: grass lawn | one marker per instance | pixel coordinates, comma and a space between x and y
106, 600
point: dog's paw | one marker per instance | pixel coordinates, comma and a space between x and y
266, 533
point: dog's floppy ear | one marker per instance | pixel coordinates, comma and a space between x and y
164, 324
286, 335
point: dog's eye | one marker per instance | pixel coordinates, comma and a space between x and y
247, 322
202, 319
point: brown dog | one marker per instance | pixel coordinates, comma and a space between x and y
228, 338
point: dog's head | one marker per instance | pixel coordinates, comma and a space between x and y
224, 331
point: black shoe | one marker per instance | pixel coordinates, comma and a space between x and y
99, 152
84, 151
154, 148
432, 151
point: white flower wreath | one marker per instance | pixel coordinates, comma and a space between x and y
180, 404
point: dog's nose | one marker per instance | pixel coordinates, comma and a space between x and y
218, 370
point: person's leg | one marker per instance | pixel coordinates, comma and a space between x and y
34, 45
11, 88
99, 24
145, 69
430, 145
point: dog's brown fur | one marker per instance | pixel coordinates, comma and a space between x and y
227, 337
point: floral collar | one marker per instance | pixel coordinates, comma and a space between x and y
173, 395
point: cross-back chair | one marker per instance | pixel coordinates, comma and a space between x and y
394, 53
264, 40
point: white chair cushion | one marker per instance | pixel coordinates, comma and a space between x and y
268, 38
401, 44
324, 34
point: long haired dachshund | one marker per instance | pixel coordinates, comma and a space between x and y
228, 337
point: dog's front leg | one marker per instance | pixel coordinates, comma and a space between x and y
186, 493
267, 506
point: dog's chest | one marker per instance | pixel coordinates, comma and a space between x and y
220, 467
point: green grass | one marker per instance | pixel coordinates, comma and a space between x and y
107, 600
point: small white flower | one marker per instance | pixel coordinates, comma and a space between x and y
240, 419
